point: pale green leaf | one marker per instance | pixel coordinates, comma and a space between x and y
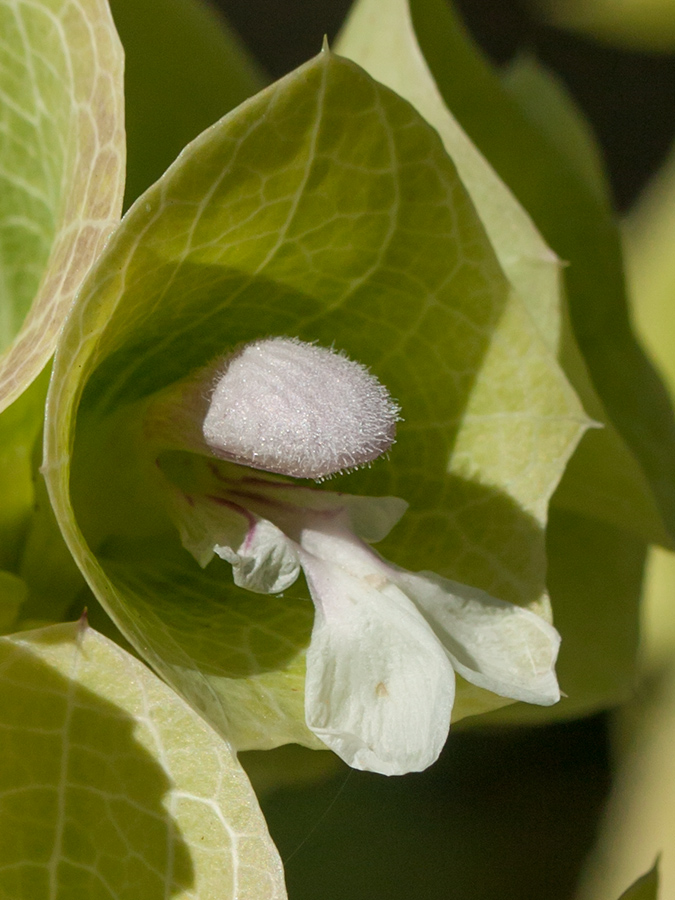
184, 69
639, 817
323, 208
381, 38
112, 787
605, 480
62, 172
224, 646
657, 632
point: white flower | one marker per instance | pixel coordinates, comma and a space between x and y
386, 643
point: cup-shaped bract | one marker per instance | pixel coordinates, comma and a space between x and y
324, 208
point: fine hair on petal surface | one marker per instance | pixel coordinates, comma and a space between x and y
286, 406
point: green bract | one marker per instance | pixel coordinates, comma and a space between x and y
111, 786
62, 173
61, 184
617, 491
323, 208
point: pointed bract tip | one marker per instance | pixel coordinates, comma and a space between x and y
82, 625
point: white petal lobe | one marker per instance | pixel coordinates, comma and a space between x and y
263, 559
265, 562
495, 645
379, 688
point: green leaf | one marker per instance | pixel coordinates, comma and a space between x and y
649, 232
639, 821
545, 101
13, 593
184, 69
225, 647
111, 786
645, 888
62, 173
46, 566
574, 220
20, 426
604, 479
323, 208
644, 25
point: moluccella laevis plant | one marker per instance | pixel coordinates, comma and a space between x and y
226, 483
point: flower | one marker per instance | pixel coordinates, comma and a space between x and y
386, 643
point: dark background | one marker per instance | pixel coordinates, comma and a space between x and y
503, 814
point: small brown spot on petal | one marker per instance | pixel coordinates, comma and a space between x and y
376, 580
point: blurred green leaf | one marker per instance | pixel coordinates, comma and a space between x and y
46, 566
184, 69
639, 818
62, 173
111, 786
544, 99
645, 25
649, 232
493, 795
325, 208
